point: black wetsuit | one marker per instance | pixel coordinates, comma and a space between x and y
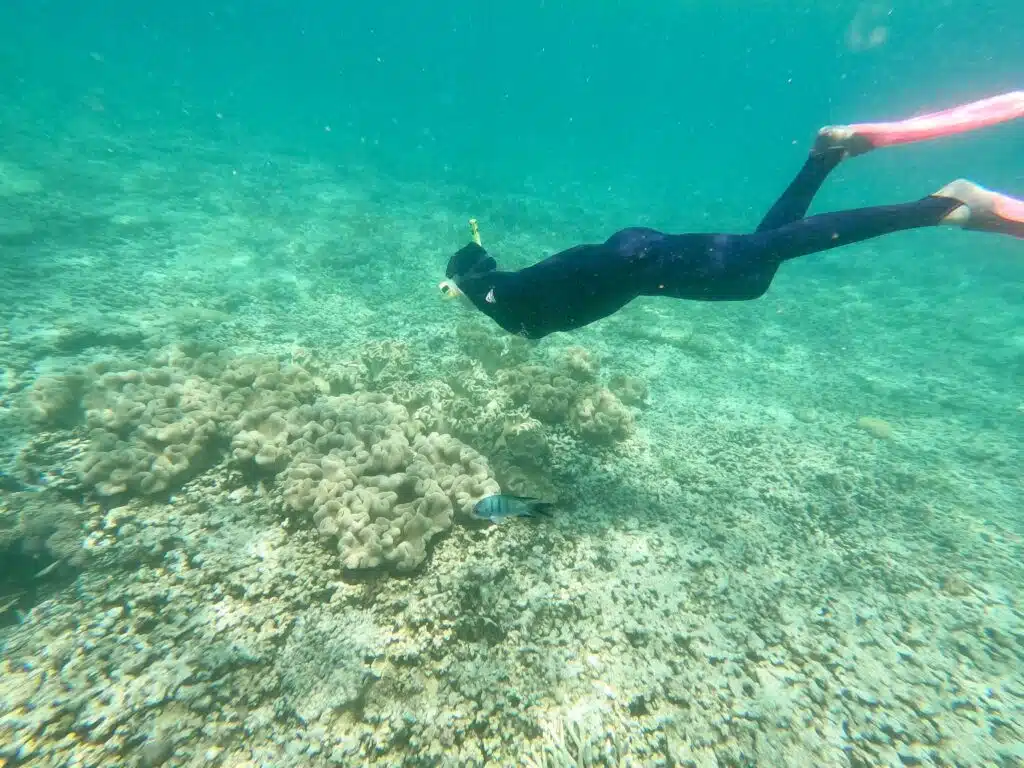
587, 282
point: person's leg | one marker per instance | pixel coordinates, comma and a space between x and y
792, 205
833, 230
960, 203
834, 143
735, 267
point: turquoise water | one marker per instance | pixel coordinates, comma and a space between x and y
241, 434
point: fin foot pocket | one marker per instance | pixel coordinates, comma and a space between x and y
987, 210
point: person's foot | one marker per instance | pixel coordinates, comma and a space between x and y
858, 138
983, 210
841, 137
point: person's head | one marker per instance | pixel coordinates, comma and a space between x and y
466, 265
473, 276
469, 260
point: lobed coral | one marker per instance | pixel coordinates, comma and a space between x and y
491, 350
580, 364
600, 417
55, 401
629, 389
39, 526
376, 485
380, 474
152, 428
146, 429
569, 394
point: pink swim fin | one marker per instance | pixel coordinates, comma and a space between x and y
983, 209
859, 138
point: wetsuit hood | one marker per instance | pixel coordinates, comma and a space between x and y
468, 260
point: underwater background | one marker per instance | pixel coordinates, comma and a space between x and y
242, 435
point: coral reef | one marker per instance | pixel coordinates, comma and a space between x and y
567, 394
748, 579
149, 429
377, 484
531, 419
374, 483
365, 450
594, 644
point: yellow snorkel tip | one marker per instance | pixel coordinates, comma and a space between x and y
448, 289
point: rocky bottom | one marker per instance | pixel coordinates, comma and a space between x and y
206, 631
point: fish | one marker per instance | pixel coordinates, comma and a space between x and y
501, 506
48, 569
10, 602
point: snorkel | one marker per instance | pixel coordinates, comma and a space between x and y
448, 288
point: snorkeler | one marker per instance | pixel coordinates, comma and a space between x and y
585, 283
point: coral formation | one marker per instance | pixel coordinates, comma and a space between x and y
580, 364
39, 527
55, 401
600, 417
493, 351
525, 441
879, 429
377, 458
374, 483
374, 480
629, 389
152, 428
529, 417
567, 394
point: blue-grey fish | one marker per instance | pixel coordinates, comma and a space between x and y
502, 506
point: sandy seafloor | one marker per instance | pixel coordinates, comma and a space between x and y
750, 577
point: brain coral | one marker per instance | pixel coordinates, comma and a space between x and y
377, 486
593, 412
155, 427
600, 417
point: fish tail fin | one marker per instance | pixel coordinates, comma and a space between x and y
541, 508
